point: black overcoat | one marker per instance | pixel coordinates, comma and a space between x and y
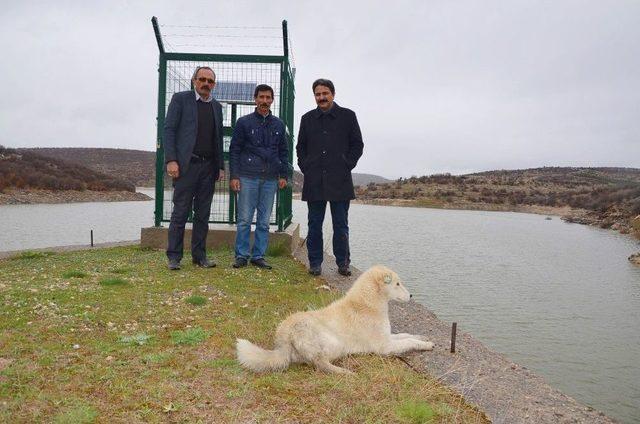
329, 146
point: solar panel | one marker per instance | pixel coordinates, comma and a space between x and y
234, 92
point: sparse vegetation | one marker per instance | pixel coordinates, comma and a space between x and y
277, 249
137, 167
73, 351
74, 274
416, 412
137, 339
190, 336
27, 254
196, 300
25, 169
113, 282
607, 196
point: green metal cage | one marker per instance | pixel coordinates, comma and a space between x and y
236, 75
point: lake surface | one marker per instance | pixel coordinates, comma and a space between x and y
561, 299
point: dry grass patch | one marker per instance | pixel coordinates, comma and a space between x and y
144, 351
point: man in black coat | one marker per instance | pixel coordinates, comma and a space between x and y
329, 146
193, 155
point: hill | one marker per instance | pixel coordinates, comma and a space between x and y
27, 169
607, 197
138, 166
28, 177
358, 180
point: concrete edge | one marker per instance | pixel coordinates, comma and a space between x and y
220, 235
70, 248
505, 391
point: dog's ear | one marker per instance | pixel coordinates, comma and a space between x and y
387, 278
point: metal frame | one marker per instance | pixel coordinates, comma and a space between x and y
287, 97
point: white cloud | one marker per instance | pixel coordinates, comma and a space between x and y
437, 86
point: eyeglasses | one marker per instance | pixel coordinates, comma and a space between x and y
209, 80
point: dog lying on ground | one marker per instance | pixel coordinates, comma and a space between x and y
355, 323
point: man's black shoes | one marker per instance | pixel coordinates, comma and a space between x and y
261, 263
240, 263
173, 264
344, 270
204, 263
315, 271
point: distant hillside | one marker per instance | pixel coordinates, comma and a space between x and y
138, 166
23, 169
358, 180
608, 197
364, 179
134, 166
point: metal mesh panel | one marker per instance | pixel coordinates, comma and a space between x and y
179, 73
236, 75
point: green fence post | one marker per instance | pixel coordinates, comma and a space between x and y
173, 74
232, 194
162, 89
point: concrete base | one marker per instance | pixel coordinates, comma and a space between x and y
220, 235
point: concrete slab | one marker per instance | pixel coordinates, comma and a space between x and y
220, 235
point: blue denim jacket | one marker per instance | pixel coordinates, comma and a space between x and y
259, 148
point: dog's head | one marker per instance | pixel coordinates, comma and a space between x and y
389, 282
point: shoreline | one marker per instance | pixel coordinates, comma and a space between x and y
568, 214
30, 197
504, 391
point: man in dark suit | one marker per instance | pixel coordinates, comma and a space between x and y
193, 155
329, 146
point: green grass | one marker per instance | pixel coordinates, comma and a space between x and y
196, 300
74, 274
190, 336
277, 249
27, 254
81, 414
137, 339
113, 282
416, 412
81, 351
157, 358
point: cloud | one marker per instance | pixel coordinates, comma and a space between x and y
437, 86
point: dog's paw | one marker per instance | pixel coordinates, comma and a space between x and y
420, 337
426, 345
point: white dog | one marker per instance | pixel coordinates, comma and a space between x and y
356, 323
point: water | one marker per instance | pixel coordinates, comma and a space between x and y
559, 298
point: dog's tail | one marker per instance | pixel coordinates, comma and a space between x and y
258, 359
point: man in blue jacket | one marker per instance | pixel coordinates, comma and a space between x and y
258, 163
193, 155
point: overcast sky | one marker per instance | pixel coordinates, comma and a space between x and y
438, 86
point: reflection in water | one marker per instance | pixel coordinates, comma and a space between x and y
561, 299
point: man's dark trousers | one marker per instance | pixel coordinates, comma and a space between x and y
193, 188
340, 220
